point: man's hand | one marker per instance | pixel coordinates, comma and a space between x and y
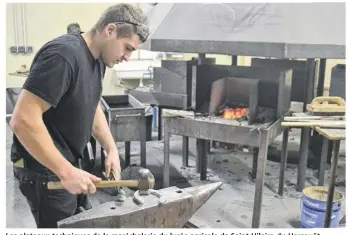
77, 181
112, 162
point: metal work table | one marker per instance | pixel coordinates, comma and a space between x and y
205, 129
329, 134
335, 135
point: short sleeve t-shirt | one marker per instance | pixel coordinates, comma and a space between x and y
65, 74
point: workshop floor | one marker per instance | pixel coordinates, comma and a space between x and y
230, 207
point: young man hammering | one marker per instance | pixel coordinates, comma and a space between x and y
58, 111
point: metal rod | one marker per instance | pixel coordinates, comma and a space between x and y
166, 161
323, 159
202, 151
24, 28
198, 156
254, 166
260, 177
283, 161
143, 140
15, 25
330, 195
159, 128
303, 158
185, 144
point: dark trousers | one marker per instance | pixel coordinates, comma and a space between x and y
48, 206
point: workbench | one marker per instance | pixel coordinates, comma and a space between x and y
206, 129
329, 134
335, 135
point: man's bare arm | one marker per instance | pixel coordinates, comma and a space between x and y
102, 133
28, 125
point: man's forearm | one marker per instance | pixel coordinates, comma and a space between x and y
101, 131
36, 140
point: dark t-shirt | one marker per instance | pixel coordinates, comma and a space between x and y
65, 74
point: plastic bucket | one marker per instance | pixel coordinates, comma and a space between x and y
313, 207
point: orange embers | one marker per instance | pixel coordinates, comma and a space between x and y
236, 113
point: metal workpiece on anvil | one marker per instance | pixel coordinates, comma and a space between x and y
166, 208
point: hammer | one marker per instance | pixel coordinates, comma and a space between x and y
144, 182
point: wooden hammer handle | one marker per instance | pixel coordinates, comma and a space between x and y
102, 184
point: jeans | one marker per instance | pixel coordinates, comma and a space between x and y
48, 206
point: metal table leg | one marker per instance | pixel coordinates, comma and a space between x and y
283, 160
260, 177
143, 143
323, 157
185, 144
305, 133
198, 156
330, 195
159, 128
202, 152
302, 164
254, 166
166, 163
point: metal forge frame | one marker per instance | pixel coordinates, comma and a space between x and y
273, 88
206, 129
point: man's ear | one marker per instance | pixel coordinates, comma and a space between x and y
110, 29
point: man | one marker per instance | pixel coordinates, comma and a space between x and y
73, 28
58, 110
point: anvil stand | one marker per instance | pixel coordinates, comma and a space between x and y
205, 131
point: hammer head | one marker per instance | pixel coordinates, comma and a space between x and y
146, 181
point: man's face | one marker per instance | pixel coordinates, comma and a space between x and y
117, 50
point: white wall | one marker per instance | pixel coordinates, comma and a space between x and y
45, 21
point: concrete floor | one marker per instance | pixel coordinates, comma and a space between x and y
230, 207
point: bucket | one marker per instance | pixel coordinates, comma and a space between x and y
313, 207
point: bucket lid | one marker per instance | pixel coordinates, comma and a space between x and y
320, 193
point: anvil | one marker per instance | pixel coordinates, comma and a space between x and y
170, 207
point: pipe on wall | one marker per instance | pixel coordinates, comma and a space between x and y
15, 25
24, 28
